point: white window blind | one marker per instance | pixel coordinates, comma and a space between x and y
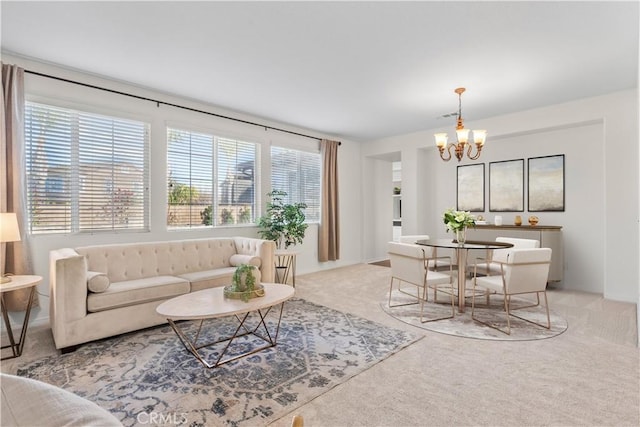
211, 180
236, 201
85, 172
298, 174
190, 180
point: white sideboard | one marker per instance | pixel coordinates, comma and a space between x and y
549, 236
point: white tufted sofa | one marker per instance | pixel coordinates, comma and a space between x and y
105, 290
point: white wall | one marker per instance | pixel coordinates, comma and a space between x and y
74, 96
378, 188
599, 137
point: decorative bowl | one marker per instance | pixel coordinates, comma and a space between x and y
246, 295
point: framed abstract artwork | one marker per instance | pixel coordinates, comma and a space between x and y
470, 188
506, 186
546, 183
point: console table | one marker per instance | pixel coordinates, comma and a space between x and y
549, 236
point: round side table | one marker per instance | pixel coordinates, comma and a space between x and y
285, 265
18, 282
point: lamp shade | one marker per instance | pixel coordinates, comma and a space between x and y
9, 231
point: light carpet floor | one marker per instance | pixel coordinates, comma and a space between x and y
149, 373
404, 308
587, 376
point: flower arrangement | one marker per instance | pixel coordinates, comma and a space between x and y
458, 220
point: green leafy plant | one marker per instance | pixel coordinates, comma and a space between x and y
247, 286
244, 215
207, 216
226, 216
458, 220
283, 223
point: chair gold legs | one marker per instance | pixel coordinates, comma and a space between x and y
421, 297
509, 312
546, 305
435, 300
417, 297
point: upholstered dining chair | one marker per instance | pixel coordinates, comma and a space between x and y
436, 262
410, 265
525, 271
491, 264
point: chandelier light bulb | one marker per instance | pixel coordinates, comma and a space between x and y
462, 135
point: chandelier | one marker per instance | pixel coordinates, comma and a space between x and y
462, 135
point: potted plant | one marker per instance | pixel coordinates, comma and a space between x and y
245, 283
283, 223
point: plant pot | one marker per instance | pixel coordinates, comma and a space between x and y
245, 283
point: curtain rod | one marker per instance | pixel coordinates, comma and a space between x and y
158, 102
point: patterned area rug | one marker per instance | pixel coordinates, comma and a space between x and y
147, 377
463, 325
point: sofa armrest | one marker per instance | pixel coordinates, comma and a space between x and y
265, 249
68, 289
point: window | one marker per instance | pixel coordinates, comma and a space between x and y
298, 174
85, 172
211, 180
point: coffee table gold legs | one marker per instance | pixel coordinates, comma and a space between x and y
191, 344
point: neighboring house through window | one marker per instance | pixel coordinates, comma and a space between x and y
211, 180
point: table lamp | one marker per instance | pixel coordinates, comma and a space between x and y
9, 232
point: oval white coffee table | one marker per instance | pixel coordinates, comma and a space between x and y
211, 303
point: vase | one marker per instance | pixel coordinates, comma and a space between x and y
461, 236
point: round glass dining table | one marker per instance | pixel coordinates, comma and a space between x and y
462, 250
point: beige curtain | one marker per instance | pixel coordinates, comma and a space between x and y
12, 189
329, 229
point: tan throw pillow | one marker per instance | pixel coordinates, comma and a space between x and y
97, 282
237, 259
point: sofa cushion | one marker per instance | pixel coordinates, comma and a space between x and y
131, 261
209, 278
132, 292
97, 282
237, 260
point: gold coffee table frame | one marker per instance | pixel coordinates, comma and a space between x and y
211, 303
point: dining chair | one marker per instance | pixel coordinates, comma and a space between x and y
435, 262
497, 256
525, 271
410, 265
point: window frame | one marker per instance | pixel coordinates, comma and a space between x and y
79, 109
216, 134
308, 150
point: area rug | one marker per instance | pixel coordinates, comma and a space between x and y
147, 377
463, 325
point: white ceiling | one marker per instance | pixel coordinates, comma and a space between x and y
356, 70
